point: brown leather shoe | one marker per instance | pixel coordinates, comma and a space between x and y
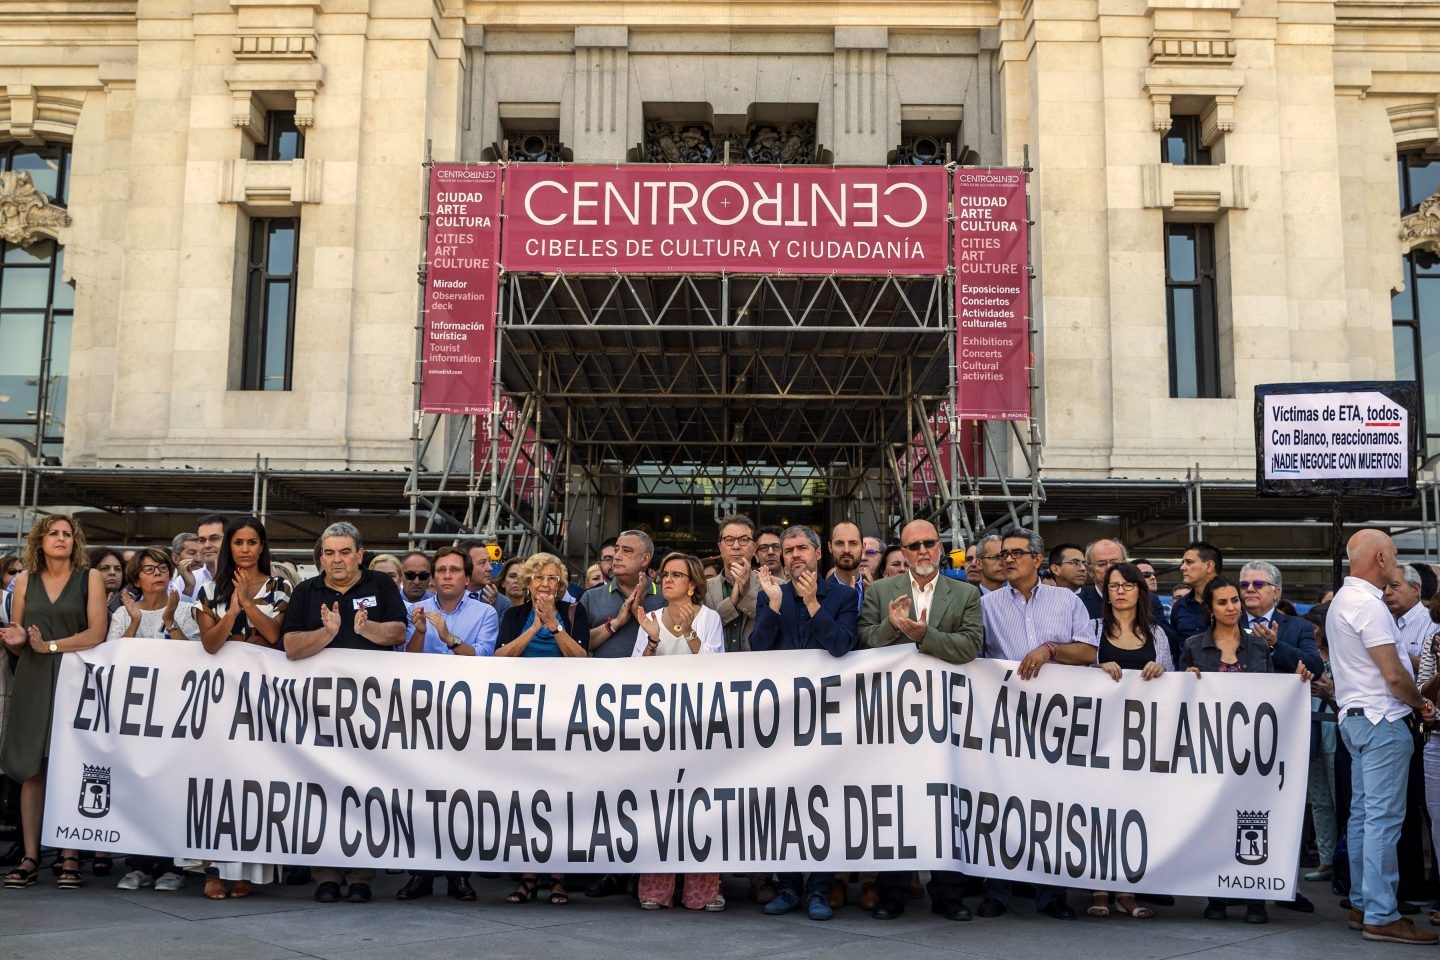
869, 895
839, 893
1399, 931
1357, 920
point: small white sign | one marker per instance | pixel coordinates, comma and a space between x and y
1335, 436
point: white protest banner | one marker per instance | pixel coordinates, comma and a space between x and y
785, 761
1335, 436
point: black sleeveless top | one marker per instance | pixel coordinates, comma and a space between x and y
1128, 659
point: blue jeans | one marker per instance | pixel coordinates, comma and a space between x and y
805, 887
1379, 765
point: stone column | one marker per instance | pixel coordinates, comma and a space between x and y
601, 98
860, 125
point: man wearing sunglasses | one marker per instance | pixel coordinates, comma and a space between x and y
1033, 623
414, 577
1291, 639
941, 616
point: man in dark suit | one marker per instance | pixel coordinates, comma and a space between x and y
1291, 639
807, 613
942, 618
1099, 557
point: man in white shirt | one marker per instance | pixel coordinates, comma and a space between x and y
1413, 625
1376, 694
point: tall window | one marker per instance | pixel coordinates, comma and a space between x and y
270, 304
1190, 310
36, 313
1415, 309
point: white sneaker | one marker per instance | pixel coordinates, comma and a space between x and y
170, 881
717, 905
134, 880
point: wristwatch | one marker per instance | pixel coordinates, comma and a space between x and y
54, 647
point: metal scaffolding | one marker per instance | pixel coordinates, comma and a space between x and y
719, 388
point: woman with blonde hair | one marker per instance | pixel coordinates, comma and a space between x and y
389, 564
544, 626
58, 608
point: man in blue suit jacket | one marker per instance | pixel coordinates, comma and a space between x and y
808, 613
1291, 639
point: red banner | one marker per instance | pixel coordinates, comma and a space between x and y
656, 219
992, 295
460, 289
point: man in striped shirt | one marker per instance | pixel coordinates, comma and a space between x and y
1034, 623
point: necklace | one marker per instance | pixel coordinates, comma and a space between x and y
675, 628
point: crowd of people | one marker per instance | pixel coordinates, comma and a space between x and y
1369, 652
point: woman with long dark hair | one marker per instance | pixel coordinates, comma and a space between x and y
246, 601
1227, 647
1129, 640
112, 568
58, 608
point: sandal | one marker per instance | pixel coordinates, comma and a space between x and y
1099, 905
215, 889
23, 876
102, 865
525, 892
69, 878
1126, 904
240, 889
558, 895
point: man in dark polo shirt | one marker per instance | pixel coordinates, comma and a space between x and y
343, 606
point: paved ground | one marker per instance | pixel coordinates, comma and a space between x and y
100, 922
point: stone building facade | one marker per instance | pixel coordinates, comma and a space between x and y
179, 120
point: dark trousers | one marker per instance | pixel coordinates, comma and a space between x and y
1044, 896
946, 888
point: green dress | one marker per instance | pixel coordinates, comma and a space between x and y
32, 699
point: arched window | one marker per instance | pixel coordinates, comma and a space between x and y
36, 313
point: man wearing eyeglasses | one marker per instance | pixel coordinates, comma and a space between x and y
941, 616
607, 558
767, 551
414, 577
731, 592
1291, 639
989, 564
454, 623
870, 556
1067, 566
1034, 623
